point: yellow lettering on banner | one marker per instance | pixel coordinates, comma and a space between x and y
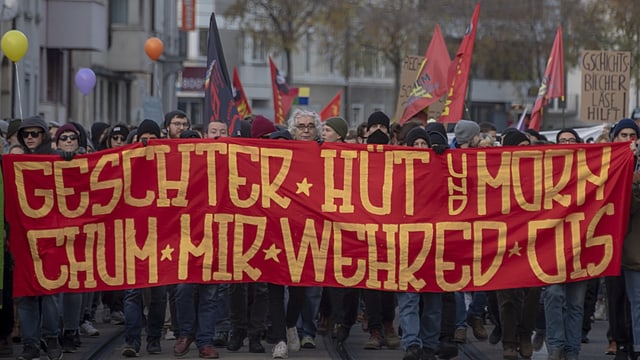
209, 149
181, 184
536, 177
331, 192
551, 190
441, 265
479, 278
146, 152
149, 251
97, 234
453, 188
585, 175
376, 265
561, 266
339, 261
502, 180
62, 192
387, 182
235, 180
76, 266
576, 247
409, 157
605, 241
240, 258
406, 271
187, 248
33, 236
45, 194
309, 240
115, 184
223, 220
269, 189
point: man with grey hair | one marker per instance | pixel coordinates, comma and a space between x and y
304, 125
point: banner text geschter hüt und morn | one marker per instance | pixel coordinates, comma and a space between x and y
299, 213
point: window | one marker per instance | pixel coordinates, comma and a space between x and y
119, 11
203, 41
54, 76
258, 50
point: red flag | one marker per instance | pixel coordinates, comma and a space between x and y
333, 107
431, 83
239, 96
283, 95
458, 75
552, 85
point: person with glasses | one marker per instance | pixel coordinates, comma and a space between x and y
117, 136
39, 316
175, 122
304, 125
568, 136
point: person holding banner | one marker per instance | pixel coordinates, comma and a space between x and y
304, 125
175, 122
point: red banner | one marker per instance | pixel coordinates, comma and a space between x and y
302, 213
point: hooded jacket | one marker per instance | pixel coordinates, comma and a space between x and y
45, 146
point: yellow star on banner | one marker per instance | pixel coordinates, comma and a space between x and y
166, 253
515, 250
303, 187
272, 253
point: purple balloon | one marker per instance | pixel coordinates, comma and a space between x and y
85, 80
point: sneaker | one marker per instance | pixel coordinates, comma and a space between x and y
538, 340
375, 341
153, 345
293, 341
308, 342
236, 340
68, 345
86, 328
281, 350
460, 335
117, 318
391, 338
29, 352
54, 351
477, 325
414, 352
129, 351
220, 338
255, 345
169, 335
208, 352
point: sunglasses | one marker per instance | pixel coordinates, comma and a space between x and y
68, 137
117, 138
33, 134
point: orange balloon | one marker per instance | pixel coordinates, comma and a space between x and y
153, 47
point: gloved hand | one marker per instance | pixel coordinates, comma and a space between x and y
67, 155
439, 149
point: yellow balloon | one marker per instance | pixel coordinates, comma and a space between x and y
14, 45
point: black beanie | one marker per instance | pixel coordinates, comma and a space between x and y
415, 134
378, 137
189, 134
514, 138
148, 126
436, 138
439, 127
378, 117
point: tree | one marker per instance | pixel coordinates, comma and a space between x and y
279, 24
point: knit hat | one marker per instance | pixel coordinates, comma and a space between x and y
338, 125
261, 126
466, 130
514, 138
148, 126
415, 134
281, 134
625, 124
14, 125
436, 138
189, 134
378, 117
378, 137
243, 129
575, 134
120, 130
63, 128
171, 114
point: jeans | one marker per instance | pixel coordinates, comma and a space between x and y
202, 324
71, 310
632, 283
476, 307
133, 315
307, 323
223, 322
36, 313
563, 309
424, 330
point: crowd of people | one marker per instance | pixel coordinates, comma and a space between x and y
212, 316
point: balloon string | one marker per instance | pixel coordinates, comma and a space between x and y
155, 78
18, 89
